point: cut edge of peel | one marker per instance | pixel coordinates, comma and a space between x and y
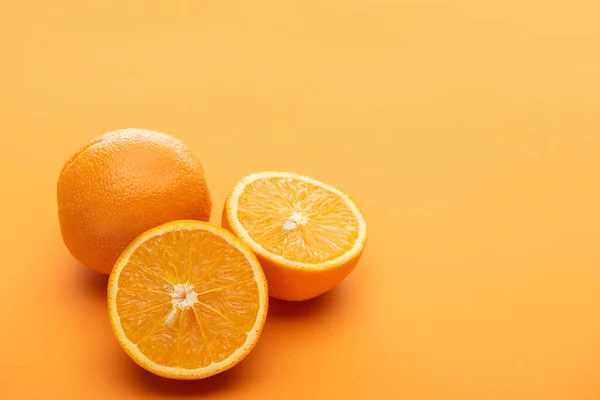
231, 210
178, 372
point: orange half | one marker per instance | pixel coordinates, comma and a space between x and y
187, 300
308, 235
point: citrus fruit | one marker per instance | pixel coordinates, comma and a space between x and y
120, 185
187, 300
307, 235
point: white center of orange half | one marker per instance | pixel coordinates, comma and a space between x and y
297, 219
183, 297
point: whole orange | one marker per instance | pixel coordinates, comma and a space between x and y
120, 185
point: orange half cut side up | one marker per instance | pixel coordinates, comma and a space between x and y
187, 300
308, 235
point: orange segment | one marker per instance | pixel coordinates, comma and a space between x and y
187, 300
307, 235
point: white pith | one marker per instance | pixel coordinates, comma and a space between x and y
183, 296
295, 220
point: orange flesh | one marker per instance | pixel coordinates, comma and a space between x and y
297, 220
157, 304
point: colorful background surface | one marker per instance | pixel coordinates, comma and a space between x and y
468, 131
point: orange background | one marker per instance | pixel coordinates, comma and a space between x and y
468, 131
